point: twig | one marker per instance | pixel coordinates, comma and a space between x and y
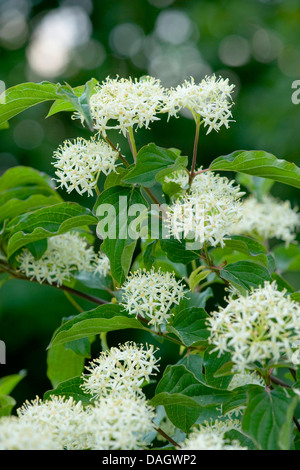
192, 173
162, 433
116, 150
62, 287
150, 193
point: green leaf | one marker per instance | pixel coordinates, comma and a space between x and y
213, 363
237, 399
63, 364
225, 369
70, 388
118, 244
153, 256
287, 258
235, 435
22, 193
108, 317
249, 247
6, 405
198, 275
268, 418
295, 296
189, 325
23, 96
23, 176
115, 178
282, 283
195, 299
4, 125
171, 188
80, 103
149, 255
153, 163
46, 222
194, 364
8, 383
245, 274
259, 163
61, 105
81, 347
178, 252
38, 248
184, 397
15, 207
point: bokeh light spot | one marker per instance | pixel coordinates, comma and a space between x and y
173, 26
234, 51
126, 39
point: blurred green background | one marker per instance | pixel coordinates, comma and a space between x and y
255, 43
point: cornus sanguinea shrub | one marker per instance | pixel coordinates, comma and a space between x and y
183, 255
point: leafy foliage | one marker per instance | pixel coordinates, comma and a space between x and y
195, 387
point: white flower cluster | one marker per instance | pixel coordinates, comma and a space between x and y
101, 265
211, 436
80, 162
210, 100
270, 218
261, 327
151, 294
180, 177
119, 422
119, 418
16, 434
66, 255
245, 378
207, 212
125, 103
121, 370
60, 418
114, 423
120, 103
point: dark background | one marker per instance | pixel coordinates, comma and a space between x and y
254, 43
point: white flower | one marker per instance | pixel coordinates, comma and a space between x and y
151, 294
125, 103
245, 378
270, 218
80, 162
16, 434
122, 369
207, 212
210, 100
59, 417
102, 265
65, 256
210, 436
180, 177
119, 422
260, 327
